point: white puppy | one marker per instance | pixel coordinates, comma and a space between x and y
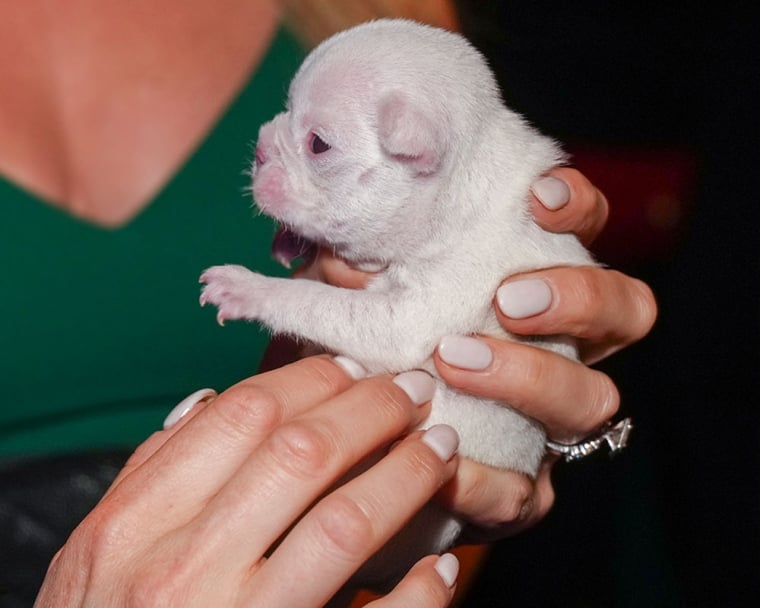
397, 152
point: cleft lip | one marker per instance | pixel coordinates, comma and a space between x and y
287, 246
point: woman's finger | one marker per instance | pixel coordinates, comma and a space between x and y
300, 459
179, 416
565, 201
605, 309
330, 269
534, 508
486, 496
429, 584
197, 459
293, 394
349, 525
570, 399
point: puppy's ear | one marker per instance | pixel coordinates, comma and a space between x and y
410, 134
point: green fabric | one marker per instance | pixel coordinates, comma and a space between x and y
101, 330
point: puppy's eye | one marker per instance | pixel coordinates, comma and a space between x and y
318, 145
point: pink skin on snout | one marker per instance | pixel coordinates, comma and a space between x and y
268, 176
268, 189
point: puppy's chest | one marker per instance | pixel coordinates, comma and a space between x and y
448, 300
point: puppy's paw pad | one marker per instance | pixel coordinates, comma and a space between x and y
234, 290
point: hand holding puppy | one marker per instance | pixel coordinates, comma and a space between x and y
397, 154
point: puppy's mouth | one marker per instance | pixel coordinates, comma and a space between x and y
289, 247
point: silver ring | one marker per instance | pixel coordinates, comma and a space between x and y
615, 436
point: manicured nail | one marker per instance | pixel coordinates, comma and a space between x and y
351, 367
524, 298
465, 352
419, 385
551, 192
447, 568
442, 439
180, 410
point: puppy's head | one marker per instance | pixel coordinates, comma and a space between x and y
376, 119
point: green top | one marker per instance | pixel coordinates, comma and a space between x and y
101, 330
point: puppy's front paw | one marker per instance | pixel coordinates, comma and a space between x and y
235, 291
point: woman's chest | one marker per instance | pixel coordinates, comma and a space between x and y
99, 112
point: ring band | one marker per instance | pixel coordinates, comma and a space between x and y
616, 437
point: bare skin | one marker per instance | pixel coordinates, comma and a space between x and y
94, 115
191, 518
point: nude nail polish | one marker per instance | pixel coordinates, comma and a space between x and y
465, 352
447, 568
552, 193
419, 385
184, 407
524, 298
351, 367
443, 440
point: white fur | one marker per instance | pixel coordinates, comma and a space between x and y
427, 177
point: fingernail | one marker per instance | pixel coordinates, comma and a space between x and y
447, 568
465, 352
552, 193
419, 385
180, 410
442, 439
351, 367
524, 298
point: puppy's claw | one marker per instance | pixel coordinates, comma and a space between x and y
283, 261
234, 290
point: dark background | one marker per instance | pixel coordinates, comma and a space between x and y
659, 108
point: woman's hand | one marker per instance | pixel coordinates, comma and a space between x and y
233, 504
603, 309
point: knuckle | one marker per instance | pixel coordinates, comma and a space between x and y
515, 503
602, 207
303, 450
160, 585
244, 409
603, 404
105, 532
646, 308
343, 528
166, 576
589, 292
472, 483
493, 509
149, 588
540, 508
